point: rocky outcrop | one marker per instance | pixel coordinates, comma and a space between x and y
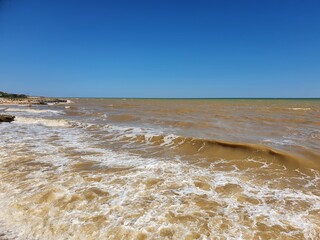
32, 101
51, 100
12, 98
6, 118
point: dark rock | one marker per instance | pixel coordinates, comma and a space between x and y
42, 103
6, 118
56, 100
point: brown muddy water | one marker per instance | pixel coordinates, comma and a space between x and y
161, 169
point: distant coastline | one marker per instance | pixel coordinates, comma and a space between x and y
14, 98
22, 99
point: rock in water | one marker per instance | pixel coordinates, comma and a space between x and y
6, 118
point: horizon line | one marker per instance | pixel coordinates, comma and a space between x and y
195, 98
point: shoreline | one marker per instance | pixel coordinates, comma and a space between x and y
33, 101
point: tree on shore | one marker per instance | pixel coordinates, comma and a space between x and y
12, 95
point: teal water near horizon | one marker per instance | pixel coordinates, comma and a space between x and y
297, 99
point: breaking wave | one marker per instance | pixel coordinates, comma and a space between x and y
29, 110
61, 184
43, 121
206, 148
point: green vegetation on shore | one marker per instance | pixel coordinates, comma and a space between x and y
12, 95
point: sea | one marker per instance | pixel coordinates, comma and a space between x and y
101, 168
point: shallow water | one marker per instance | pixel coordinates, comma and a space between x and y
162, 169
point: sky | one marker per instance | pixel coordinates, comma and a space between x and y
160, 48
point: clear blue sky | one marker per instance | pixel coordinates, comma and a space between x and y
165, 48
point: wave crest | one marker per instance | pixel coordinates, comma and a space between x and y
29, 110
43, 121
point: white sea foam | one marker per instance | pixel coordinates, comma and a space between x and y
154, 196
36, 111
122, 132
168, 140
300, 109
279, 141
42, 121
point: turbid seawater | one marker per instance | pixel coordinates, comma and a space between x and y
161, 169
